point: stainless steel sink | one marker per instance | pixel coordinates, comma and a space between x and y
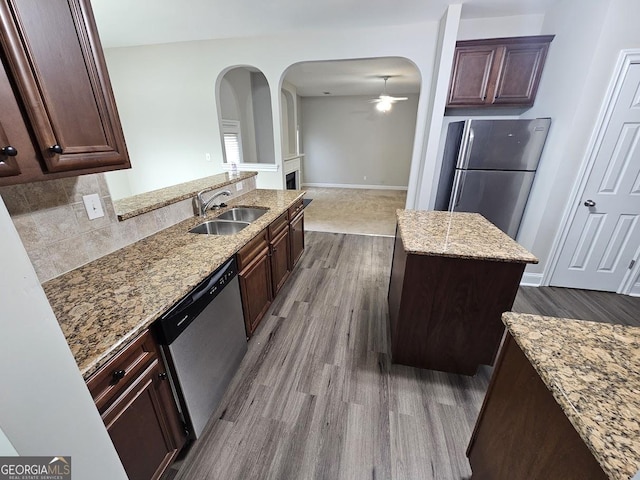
219, 227
242, 214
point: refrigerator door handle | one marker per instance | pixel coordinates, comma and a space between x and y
469, 147
468, 136
458, 184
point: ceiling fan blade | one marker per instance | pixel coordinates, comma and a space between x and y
375, 100
398, 99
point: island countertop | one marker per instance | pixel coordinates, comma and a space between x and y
458, 235
593, 371
103, 305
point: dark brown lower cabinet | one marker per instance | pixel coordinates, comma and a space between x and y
296, 233
266, 262
280, 264
138, 424
255, 290
522, 433
134, 398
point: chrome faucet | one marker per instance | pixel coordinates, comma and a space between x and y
204, 206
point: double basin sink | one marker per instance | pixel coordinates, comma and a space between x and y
230, 222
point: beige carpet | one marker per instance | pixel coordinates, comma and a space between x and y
346, 210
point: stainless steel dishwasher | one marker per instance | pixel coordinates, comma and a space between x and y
203, 342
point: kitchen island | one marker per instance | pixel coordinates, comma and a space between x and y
563, 403
453, 275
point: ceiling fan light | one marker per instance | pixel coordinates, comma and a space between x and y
383, 106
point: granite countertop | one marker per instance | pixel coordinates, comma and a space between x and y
593, 371
458, 235
146, 202
105, 304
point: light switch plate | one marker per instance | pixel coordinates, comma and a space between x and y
93, 205
239, 186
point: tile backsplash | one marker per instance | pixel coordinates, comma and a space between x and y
56, 232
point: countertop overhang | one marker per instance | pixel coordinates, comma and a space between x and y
458, 235
593, 371
103, 305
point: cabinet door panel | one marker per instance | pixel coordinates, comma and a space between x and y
56, 59
280, 260
255, 289
470, 80
520, 74
13, 132
297, 238
139, 428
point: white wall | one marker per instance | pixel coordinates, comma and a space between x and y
167, 104
237, 82
346, 139
589, 36
496, 27
262, 118
289, 113
169, 114
424, 174
46, 407
6, 448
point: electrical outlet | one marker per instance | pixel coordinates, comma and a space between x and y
207, 157
239, 186
93, 206
365, 177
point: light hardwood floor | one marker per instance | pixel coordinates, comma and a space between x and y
355, 211
316, 396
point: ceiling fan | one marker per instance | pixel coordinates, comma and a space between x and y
384, 101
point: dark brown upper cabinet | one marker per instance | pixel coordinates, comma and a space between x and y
56, 70
497, 72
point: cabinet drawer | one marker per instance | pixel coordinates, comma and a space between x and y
278, 225
295, 209
252, 249
121, 369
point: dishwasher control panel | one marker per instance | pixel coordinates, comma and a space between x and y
172, 323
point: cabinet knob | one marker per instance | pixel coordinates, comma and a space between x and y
162, 375
56, 149
118, 375
9, 151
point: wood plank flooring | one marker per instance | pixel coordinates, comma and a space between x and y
582, 304
316, 396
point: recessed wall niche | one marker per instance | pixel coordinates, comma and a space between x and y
245, 118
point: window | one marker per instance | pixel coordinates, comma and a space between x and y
232, 141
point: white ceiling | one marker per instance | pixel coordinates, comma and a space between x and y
354, 77
143, 22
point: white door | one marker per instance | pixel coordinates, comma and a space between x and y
604, 235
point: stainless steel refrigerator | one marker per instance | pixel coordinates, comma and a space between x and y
488, 167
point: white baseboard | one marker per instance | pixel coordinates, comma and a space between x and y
635, 290
353, 185
531, 279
